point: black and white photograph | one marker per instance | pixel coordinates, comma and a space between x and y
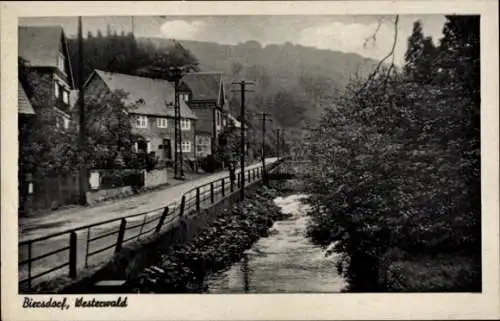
248, 154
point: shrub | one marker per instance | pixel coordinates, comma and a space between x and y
209, 164
122, 177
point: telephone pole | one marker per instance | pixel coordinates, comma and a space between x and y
177, 73
83, 179
242, 91
263, 154
278, 143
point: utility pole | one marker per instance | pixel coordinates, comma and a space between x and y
278, 143
242, 91
178, 157
83, 179
263, 154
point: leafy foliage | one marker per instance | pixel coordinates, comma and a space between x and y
109, 132
398, 162
44, 150
122, 53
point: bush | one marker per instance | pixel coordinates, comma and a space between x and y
209, 164
122, 177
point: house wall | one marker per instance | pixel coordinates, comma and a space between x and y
206, 124
204, 112
155, 136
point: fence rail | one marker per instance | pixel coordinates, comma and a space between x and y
110, 235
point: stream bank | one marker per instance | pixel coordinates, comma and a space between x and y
184, 268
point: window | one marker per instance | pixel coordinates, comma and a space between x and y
185, 124
141, 122
60, 62
202, 145
66, 123
65, 96
56, 89
161, 122
186, 146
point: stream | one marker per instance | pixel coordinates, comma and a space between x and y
284, 261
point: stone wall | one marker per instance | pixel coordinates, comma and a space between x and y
94, 197
155, 177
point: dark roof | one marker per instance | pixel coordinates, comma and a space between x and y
204, 85
151, 93
24, 104
40, 45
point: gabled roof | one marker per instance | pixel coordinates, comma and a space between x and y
204, 85
150, 95
40, 46
24, 104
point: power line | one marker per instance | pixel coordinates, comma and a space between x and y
242, 91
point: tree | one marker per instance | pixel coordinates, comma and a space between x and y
419, 56
158, 62
397, 163
110, 134
228, 148
44, 150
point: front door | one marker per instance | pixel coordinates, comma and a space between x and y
167, 149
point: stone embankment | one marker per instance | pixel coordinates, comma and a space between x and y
184, 267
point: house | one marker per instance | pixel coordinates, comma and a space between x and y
46, 51
154, 115
204, 93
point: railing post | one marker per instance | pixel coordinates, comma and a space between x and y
222, 187
72, 255
142, 226
29, 266
162, 219
87, 248
121, 234
212, 193
197, 199
183, 203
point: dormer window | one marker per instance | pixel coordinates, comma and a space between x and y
60, 62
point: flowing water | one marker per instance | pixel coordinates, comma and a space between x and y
285, 261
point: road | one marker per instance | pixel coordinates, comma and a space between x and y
34, 227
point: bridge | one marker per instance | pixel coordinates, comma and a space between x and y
291, 169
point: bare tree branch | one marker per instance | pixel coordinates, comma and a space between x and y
391, 53
373, 37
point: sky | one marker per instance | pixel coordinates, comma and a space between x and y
340, 33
